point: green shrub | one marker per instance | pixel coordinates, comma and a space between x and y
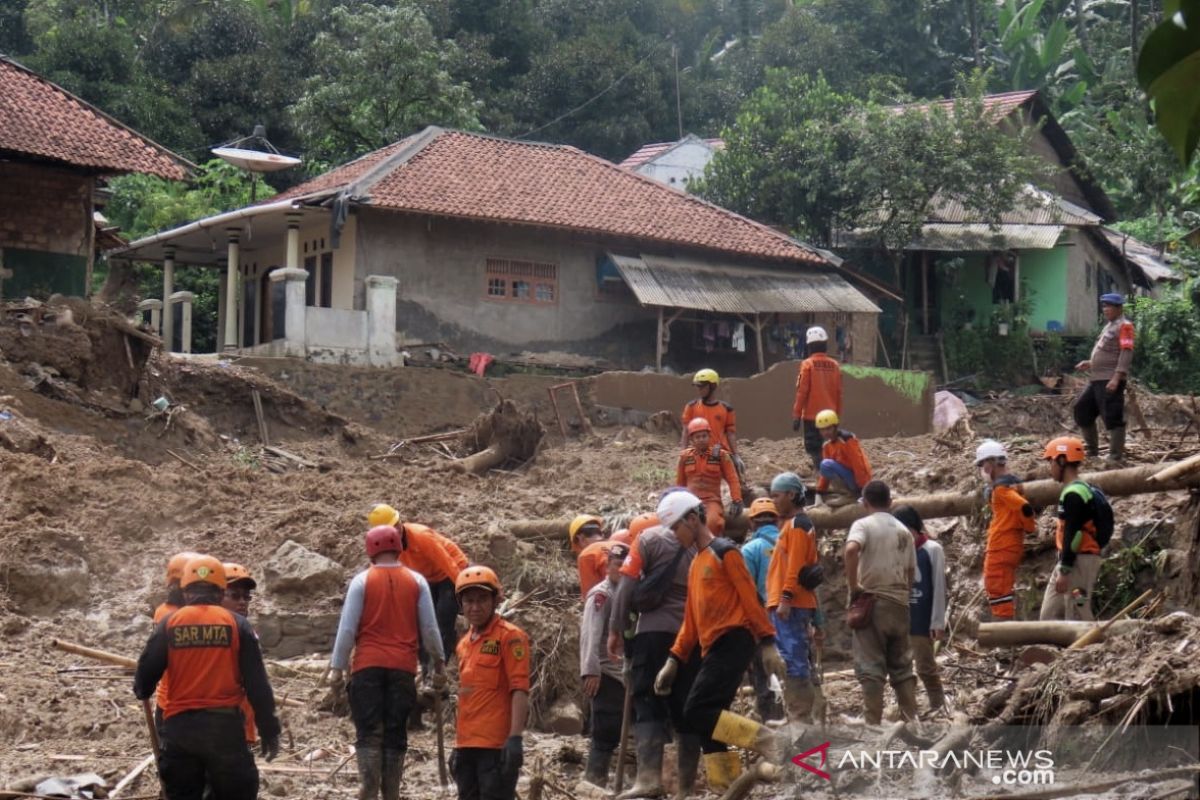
1167, 351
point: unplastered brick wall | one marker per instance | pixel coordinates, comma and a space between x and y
44, 208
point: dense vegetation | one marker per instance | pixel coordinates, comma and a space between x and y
332, 79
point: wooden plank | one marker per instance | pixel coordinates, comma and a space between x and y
262, 420
132, 776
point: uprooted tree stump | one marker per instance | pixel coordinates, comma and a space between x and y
503, 436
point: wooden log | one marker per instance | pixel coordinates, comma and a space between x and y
88, 652
540, 528
1114, 483
1060, 632
1097, 632
482, 461
1177, 470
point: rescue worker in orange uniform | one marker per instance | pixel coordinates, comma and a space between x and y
1011, 518
818, 386
174, 602
239, 590
720, 416
213, 660
386, 618
702, 467
1069, 591
844, 467
588, 542
792, 579
493, 693
725, 620
439, 560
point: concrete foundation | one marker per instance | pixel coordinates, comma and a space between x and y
877, 402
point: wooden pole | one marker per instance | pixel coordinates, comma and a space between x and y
1178, 470
658, 344
758, 342
438, 720
925, 292
1063, 633
98, 655
1097, 633
626, 713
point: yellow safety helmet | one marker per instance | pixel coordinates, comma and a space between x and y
581, 522
204, 569
826, 418
706, 376
383, 514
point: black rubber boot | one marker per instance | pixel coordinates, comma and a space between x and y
370, 772
598, 762
688, 762
393, 773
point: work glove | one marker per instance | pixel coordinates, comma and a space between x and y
773, 662
796, 424
335, 678
452, 762
337, 701
439, 681
666, 677
735, 510
737, 462
512, 756
270, 747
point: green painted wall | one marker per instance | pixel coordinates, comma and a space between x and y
965, 291
38, 274
1044, 274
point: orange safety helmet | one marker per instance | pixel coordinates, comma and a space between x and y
478, 576
204, 569
177, 564
383, 514
1067, 447
697, 425
621, 537
383, 539
236, 572
762, 506
642, 522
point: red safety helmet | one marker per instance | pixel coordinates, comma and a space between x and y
383, 539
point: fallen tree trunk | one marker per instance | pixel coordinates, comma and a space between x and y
503, 435
540, 528
1060, 632
1114, 483
1177, 470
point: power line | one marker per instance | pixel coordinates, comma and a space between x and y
600, 94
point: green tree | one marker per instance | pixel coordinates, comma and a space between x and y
380, 74
1169, 70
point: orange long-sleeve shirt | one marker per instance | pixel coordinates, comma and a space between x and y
795, 549
593, 565
818, 387
1012, 518
720, 416
702, 471
430, 553
846, 450
721, 596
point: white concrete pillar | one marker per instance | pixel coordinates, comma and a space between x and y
231, 293
293, 241
220, 314
155, 309
381, 321
295, 336
184, 299
168, 317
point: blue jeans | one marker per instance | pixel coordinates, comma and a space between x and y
791, 637
835, 470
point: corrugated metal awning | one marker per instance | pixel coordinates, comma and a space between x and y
965, 236
730, 289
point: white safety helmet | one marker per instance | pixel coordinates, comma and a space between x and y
675, 506
816, 334
990, 449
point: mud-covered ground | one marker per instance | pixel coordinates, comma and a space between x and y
89, 516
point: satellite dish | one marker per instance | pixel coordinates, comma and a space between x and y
255, 160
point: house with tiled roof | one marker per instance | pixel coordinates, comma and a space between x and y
674, 163
56, 151
1052, 251
513, 248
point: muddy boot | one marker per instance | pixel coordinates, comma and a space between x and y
1116, 446
415, 723
933, 688
906, 697
688, 764
393, 773
872, 702
798, 696
1091, 440
722, 769
650, 737
370, 771
596, 772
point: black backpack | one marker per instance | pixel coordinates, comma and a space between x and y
652, 589
1103, 519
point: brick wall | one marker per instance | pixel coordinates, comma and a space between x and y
44, 208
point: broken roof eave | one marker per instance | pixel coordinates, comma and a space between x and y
227, 218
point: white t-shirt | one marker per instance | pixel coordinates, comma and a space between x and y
887, 562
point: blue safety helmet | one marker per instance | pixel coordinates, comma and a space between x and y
1112, 299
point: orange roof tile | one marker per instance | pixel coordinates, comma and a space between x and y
458, 174
1001, 104
40, 119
